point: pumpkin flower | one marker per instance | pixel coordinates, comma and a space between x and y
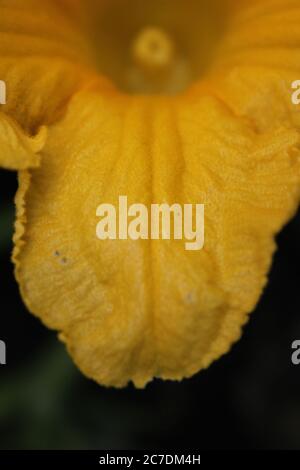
182, 101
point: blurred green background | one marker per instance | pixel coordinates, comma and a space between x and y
248, 399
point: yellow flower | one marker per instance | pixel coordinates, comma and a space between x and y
164, 101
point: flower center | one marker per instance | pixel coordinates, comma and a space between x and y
157, 66
153, 50
157, 47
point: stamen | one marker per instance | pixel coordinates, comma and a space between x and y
153, 50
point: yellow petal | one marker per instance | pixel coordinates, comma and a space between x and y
43, 60
132, 310
18, 150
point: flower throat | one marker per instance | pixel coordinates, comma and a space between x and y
161, 48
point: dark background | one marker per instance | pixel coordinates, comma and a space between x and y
248, 399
